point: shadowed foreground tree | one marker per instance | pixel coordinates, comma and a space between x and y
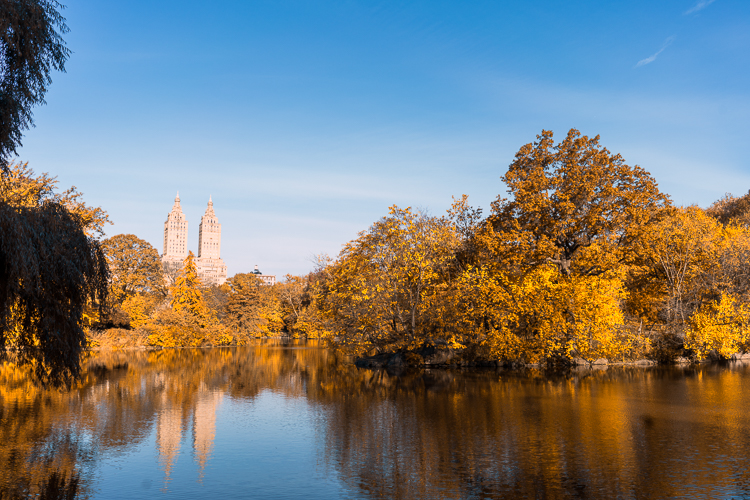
31, 46
50, 271
51, 268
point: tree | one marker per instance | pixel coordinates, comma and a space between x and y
50, 270
51, 267
385, 287
720, 326
134, 265
546, 276
244, 302
21, 187
31, 46
186, 293
573, 204
731, 210
189, 322
291, 295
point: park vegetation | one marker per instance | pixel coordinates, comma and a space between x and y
151, 304
585, 259
53, 275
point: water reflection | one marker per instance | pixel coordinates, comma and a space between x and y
622, 433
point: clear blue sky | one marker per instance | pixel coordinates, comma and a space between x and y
306, 120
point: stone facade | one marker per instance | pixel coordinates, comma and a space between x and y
175, 234
267, 279
211, 268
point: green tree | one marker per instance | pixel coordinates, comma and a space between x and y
31, 46
134, 266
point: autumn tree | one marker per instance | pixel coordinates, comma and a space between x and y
31, 46
731, 210
244, 302
694, 272
22, 187
573, 204
134, 265
384, 285
721, 327
186, 292
188, 322
292, 297
577, 207
51, 268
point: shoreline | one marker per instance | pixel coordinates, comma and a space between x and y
446, 359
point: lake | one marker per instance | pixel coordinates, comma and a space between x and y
293, 420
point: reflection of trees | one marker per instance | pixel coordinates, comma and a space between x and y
483, 434
47, 437
421, 434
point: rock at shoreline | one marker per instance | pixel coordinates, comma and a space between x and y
433, 356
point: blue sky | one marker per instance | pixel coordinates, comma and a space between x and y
306, 120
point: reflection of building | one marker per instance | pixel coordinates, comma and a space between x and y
168, 437
267, 279
204, 425
210, 266
171, 426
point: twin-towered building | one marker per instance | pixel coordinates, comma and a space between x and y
211, 269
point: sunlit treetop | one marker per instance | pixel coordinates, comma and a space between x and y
572, 196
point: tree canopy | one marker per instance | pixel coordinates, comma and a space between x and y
50, 270
134, 265
31, 46
573, 199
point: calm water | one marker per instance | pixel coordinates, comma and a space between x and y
282, 420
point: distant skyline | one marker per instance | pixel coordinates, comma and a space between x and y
305, 121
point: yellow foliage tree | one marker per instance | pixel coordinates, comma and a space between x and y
547, 315
138, 308
186, 294
720, 326
188, 323
573, 204
381, 287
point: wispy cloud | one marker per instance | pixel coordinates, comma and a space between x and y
653, 57
702, 4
